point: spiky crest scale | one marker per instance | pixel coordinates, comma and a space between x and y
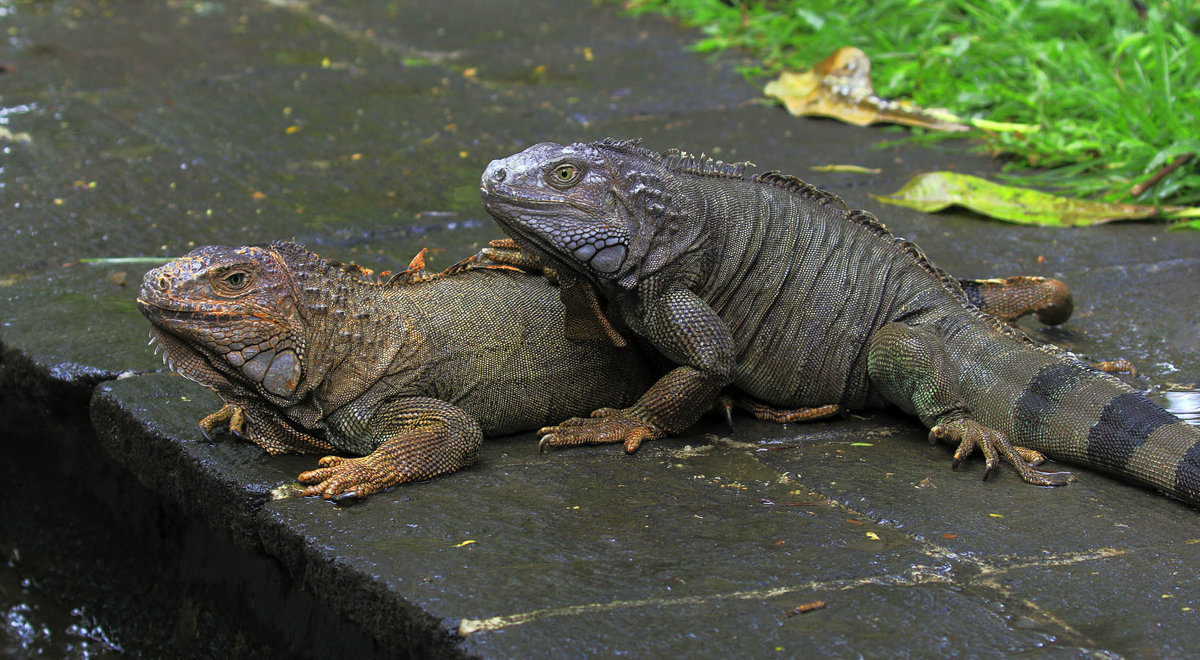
685, 163
631, 147
332, 269
801, 188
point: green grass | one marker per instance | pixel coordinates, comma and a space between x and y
1117, 95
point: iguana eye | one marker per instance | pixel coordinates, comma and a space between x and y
236, 280
564, 175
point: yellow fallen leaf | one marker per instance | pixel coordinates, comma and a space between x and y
467, 542
857, 169
873, 536
935, 191
840, 87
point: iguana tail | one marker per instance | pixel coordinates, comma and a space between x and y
970, 375
1072, 412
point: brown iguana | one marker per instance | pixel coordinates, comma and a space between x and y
780, 289
312, 355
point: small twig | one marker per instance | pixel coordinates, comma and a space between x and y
769, 502
807, 607
1176, 163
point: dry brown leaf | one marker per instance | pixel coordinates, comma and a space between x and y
840, 87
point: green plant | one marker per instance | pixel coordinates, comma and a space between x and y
1115, 86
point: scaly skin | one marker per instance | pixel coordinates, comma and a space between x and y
314, 356
779, 289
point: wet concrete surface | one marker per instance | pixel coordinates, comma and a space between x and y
360, 129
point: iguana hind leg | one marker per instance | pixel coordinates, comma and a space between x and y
1049, 300
910, 367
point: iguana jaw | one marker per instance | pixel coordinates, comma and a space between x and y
185, 360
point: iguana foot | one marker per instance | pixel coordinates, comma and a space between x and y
234, 418
994, 444
413, 455
340, 478
605, 426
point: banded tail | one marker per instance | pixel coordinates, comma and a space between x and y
1072, 412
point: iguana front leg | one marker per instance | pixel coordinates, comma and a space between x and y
418, 438
910, 367
245, 422
688, 332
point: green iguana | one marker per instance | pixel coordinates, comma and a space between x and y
312, 355
773, 286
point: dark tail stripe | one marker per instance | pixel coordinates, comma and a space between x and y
1040, 402
1187, 475
1124, 425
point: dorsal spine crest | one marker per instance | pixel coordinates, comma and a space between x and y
800, 188
338, 272
702, 165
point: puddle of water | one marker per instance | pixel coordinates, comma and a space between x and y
36, 627
1184, 404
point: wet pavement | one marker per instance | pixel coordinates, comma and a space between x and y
360, 130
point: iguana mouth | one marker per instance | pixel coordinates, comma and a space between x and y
493, 193
521, 198
183, 313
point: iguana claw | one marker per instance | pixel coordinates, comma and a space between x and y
994, 444
232, 416
343, 478
605, 426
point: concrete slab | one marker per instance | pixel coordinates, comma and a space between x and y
360, 129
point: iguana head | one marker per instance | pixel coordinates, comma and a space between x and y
610, 210
228, 315
576, 205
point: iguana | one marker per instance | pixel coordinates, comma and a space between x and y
768, 284
311, 355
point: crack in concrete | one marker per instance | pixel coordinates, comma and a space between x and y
915, 576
